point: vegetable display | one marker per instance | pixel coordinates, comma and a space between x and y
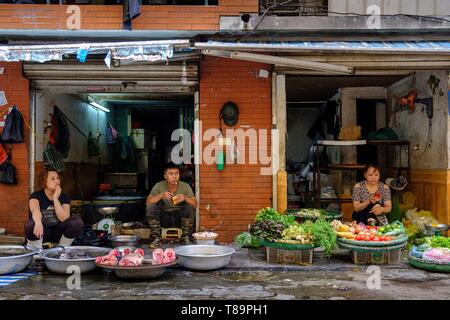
274, 227
361, 232
267, 229
309, 213
437, 255
270, 214
394, 229
323, 234
246, 240
298, 233
440, 242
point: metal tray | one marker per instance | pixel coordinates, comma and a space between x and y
145, 271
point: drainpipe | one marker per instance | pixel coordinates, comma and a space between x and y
32, 143
197, 155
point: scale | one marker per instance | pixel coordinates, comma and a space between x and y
108, 220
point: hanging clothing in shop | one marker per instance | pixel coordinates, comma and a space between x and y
131, 10
60, 134
330, 114
316, 130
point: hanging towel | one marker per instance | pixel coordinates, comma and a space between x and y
131, 10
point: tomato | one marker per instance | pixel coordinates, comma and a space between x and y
376, 239
389, 238
358, 237
366, 238
371, 237
382, 238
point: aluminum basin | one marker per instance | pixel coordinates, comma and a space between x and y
17, 262
60, 266
204, 257
124, 241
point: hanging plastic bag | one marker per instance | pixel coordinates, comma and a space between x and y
8, 172
93, 147
111, 134
3, 155
13, 130
53, 158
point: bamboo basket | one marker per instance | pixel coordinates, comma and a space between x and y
429, 265
287, 246
347, 242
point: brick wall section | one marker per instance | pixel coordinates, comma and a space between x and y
239, 191
14, 199
109, 17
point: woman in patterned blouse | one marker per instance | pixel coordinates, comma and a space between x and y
371, 198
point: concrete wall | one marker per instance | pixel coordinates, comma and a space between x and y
414, 126
86, 118
299, 121
391, 7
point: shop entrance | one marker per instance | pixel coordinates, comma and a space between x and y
317, 108
142, 105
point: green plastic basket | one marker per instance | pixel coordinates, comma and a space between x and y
287, 246
429, 265
373, 249
378, 244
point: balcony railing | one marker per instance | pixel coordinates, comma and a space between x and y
294, 8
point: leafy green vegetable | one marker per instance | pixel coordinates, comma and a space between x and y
297, 232
440, 242
246, 240
323, 234
267, 229
266, 214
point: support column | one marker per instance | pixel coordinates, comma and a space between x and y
282, 128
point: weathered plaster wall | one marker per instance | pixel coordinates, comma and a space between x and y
390, 7
414, 126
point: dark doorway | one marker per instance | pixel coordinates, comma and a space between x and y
366, 117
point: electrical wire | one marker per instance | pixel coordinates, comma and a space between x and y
429, 140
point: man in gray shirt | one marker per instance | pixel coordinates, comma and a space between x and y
171, 203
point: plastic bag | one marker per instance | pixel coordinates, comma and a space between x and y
3, 155
407, 202
53, 158
13, 129
92, 146
437, 254
7, 173
420, 218
111, 134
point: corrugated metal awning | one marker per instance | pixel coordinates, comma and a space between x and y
341, 46
135, 50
